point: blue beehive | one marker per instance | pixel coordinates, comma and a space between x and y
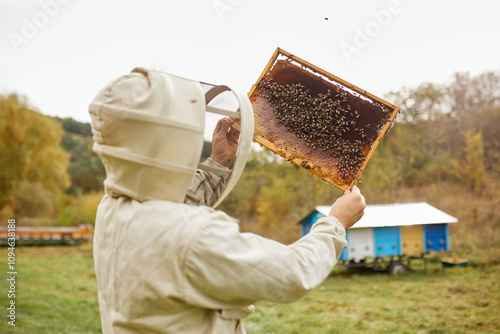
344, 256
308, 222
436, 238
384, 230
387, 241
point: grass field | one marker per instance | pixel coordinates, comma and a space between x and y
56, 290
56, 293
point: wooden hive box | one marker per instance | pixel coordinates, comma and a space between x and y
384, 230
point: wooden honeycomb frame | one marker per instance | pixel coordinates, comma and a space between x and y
328, 173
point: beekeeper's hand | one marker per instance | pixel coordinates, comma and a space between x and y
349, 208
224, 142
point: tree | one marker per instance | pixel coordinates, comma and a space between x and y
475, 104
414, 152
32, 200
468, 95
470, 169
30, 149
426, 102
85, 168
72, 126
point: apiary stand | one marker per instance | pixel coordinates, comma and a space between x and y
390, 265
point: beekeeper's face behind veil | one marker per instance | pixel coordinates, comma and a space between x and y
148, 130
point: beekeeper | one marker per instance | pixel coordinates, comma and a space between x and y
165, 260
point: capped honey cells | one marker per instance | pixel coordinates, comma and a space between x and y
325, 122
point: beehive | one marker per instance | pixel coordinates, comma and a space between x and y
316, 120
386, 230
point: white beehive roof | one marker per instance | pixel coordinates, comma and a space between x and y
399, 214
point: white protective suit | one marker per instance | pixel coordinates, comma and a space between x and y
169, 267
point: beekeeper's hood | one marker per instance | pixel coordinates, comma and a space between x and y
148, 130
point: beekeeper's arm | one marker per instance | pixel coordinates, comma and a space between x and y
207, 187
228, 269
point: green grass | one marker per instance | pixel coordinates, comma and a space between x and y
454, 300
56, 290
56, 293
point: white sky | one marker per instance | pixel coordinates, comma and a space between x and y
60, 53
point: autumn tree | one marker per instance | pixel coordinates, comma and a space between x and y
470, 169
475, 104
413, 152
425, 102
472, 94
30, 150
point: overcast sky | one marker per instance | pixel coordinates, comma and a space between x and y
60, 53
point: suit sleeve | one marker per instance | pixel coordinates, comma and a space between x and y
206, 187
225, 268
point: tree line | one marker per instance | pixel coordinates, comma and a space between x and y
446, 132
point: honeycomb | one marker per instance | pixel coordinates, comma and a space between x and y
316, 120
